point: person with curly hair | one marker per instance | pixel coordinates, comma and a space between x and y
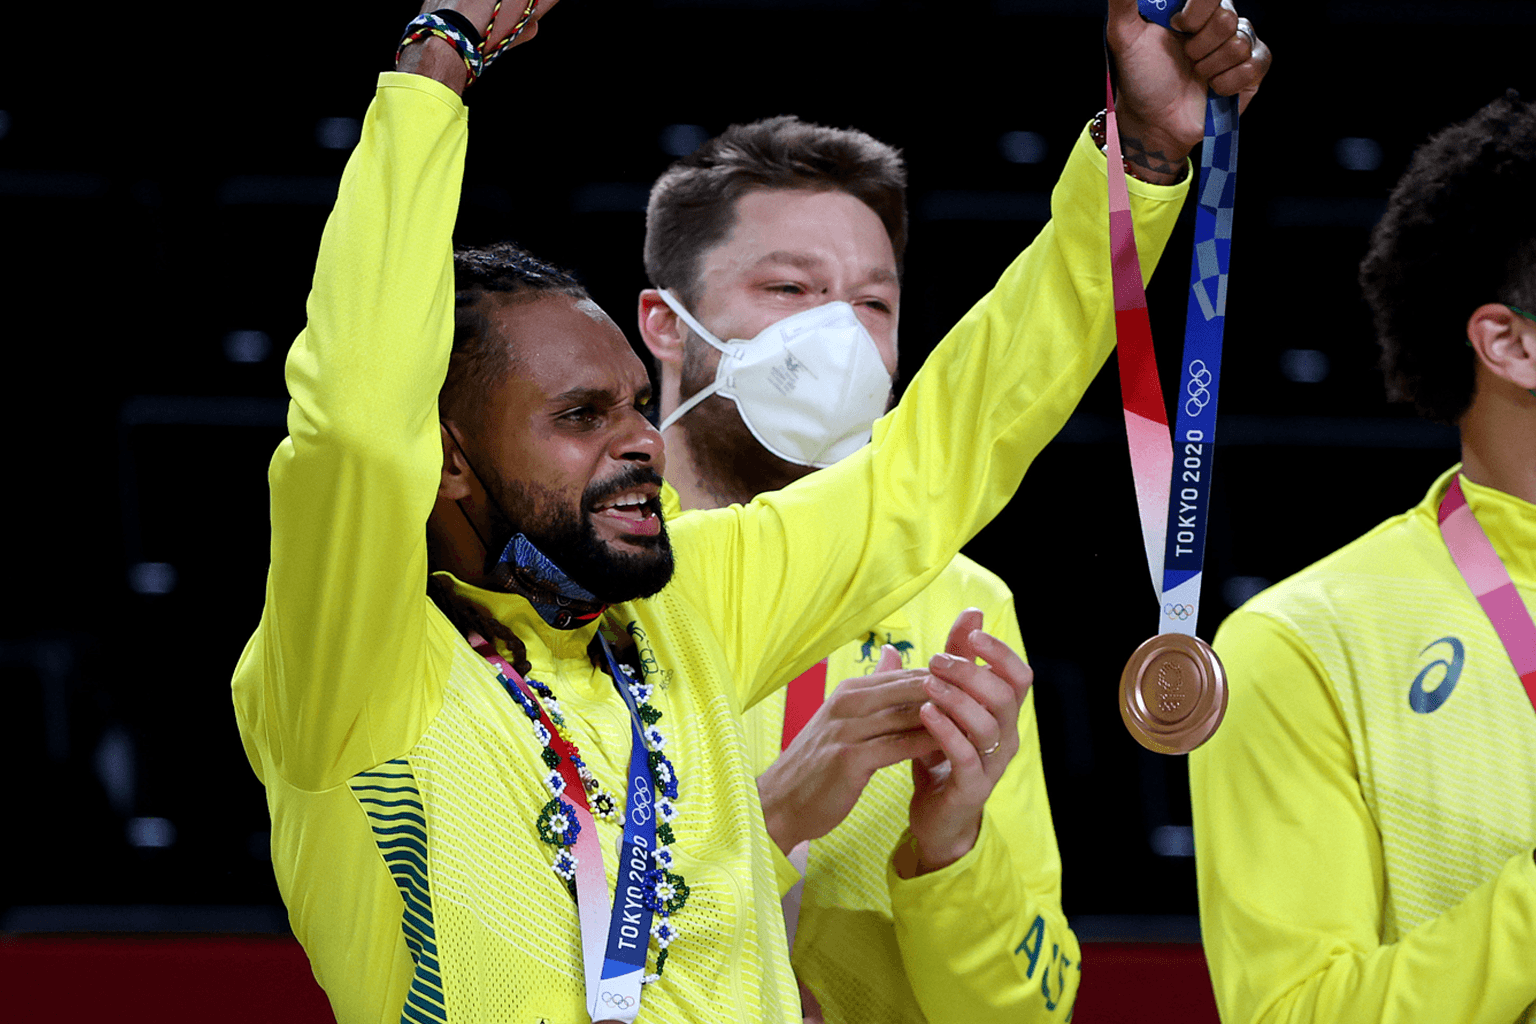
1365, 818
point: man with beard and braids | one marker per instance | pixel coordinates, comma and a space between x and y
531, 798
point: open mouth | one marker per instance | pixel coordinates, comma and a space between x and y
634, 511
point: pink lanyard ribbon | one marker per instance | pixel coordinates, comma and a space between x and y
1146, 417
1490, 582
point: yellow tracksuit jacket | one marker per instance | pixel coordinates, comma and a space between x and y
403, 783
1358, 859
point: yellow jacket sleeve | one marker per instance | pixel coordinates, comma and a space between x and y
984, 939
798, 571
342, 645
1291, 874
785, 874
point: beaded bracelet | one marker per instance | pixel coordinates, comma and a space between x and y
450, 27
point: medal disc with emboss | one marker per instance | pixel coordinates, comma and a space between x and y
1173, 693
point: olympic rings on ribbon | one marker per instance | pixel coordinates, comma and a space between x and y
1179, 611
618, 1000
1198, 388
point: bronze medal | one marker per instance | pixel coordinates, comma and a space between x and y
1173, 693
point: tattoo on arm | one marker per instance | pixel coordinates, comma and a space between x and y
1163, 170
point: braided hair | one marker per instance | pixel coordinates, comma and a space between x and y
487, 278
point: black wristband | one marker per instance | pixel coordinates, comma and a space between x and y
463, 24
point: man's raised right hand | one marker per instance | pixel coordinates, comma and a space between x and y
437, 59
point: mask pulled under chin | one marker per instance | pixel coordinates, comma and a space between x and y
809, 387
558, 599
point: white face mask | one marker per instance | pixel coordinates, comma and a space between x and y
808, 387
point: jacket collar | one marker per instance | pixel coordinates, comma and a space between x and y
548, 648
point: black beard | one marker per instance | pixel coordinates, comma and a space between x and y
569, 538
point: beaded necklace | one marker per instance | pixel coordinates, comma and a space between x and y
575, 790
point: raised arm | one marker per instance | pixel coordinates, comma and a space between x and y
803, 569
345, 617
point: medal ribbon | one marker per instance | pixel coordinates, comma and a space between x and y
1174, 532
629, 932
613, 947
1489, 579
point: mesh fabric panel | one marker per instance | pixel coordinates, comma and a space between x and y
506, 925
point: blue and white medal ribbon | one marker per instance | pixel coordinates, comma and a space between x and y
1174, 522
1173, 690
615, 995
613, 944
1195, 423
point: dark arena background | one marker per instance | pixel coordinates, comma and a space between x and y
164, 177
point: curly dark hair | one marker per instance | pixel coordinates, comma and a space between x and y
1459, 231
502, 273
693, 204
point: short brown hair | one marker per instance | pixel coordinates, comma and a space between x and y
693, 205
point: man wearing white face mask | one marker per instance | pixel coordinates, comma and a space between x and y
807, 387
930, 894
887, 923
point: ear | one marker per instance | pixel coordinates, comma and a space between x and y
454, 483
1505, 343
661, 329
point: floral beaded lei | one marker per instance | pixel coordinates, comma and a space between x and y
665, 891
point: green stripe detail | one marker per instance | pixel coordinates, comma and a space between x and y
376, 802
402, 839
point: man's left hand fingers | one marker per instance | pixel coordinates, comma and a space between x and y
981, 682
979, 722
1004, 662
967, 772
958, 642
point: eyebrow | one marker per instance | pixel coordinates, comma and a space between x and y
807, 262
594, 396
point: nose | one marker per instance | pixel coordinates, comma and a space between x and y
639, 441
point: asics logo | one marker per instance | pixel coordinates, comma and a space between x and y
1198, 387
1423, 700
